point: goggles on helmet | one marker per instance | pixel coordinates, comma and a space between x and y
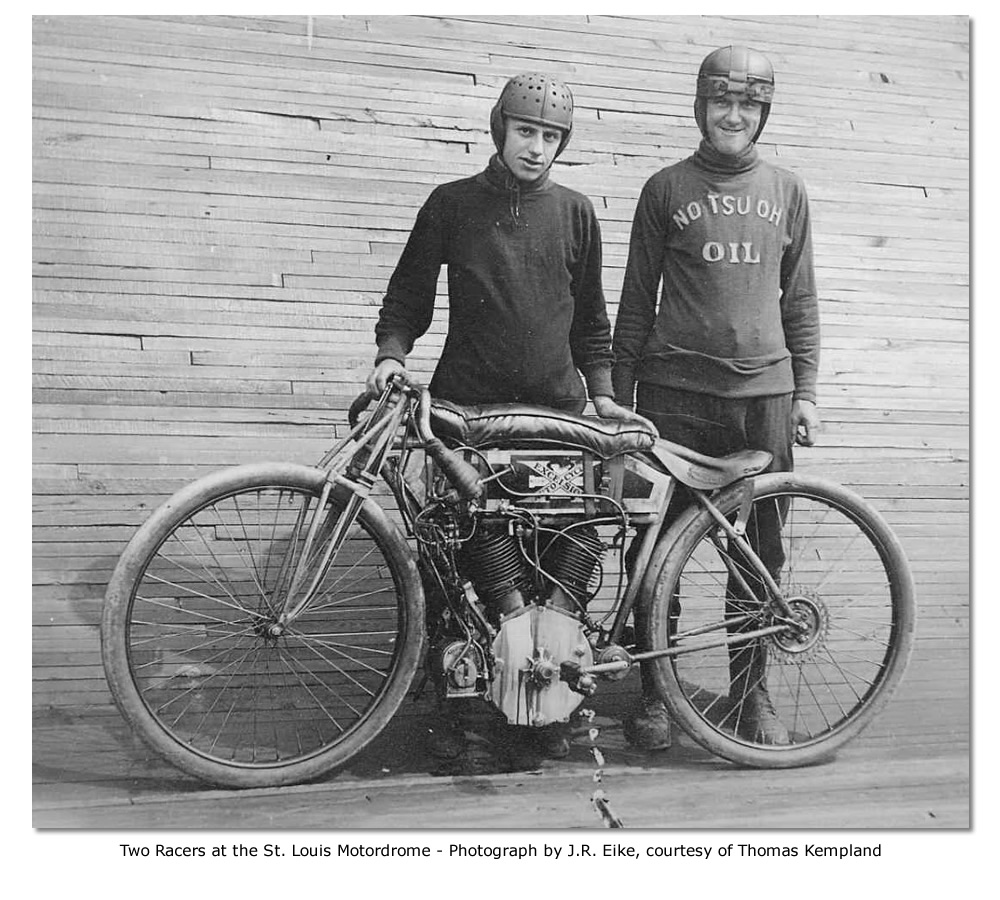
713, 86
735, 70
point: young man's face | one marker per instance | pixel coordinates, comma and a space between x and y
731, 122
529, 148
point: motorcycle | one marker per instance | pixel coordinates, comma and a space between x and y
267, 621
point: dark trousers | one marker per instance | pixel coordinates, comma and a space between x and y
716, 426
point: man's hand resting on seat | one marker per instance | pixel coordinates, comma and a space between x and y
606, 408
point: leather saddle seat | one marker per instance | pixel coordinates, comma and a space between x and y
520, 425
523, 426
708, 473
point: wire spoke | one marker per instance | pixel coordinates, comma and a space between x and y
253, 562
319, 703
211, 553
310, 645
182, 587
829, 562
207, 643
166, 635
205, 678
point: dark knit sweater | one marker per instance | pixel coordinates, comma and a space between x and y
738, 313
526, 306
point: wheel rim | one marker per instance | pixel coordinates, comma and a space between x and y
212, 664
805, 684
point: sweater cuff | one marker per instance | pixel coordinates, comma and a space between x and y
599, 381
390, 347
623, 381
805, 393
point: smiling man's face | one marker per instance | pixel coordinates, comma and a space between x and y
731, 121
530, 148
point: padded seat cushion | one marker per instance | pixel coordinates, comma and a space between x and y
516, 424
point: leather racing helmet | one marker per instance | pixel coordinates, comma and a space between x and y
534, 98
737, 70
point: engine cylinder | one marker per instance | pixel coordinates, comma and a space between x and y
496, 568
572, 558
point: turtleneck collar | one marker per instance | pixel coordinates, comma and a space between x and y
500, 177
723, 164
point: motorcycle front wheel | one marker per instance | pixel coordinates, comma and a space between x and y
192, 651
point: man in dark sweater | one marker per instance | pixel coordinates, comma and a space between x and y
526, 305
717, 335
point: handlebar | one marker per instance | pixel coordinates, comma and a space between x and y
463, 476
398, 381
359, 405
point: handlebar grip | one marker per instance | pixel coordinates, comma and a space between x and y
359, 405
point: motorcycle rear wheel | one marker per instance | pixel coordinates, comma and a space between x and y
849, 584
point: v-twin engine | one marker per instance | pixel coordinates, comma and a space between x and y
536, 619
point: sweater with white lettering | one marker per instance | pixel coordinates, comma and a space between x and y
738, 316
526, 305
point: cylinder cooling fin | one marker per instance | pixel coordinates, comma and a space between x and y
572, 557
494, 564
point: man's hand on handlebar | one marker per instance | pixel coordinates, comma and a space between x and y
381, 374
606, 408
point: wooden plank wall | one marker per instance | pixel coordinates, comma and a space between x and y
219, 203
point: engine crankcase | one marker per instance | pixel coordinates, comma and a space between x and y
531, 645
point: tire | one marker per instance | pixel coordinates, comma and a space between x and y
848, 581
187, 643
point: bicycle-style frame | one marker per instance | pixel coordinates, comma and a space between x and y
358, 459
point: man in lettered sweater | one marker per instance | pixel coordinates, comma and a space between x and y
717, 335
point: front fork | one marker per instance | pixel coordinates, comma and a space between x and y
376, 440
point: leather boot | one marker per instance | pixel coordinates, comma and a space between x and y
464, 739
755, 717
554, 740
758, 721
648, 728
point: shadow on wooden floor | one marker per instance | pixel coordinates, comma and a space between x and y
91, 772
